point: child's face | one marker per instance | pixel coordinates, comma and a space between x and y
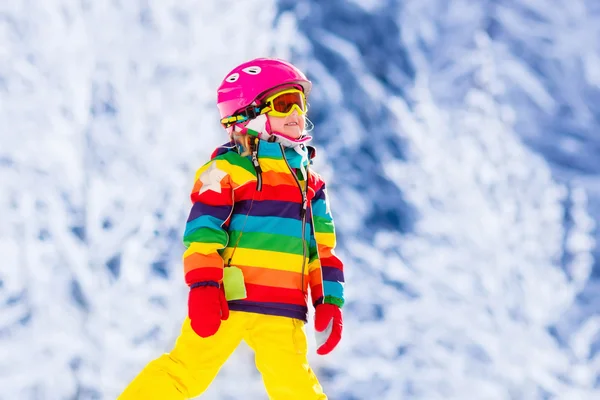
291, 126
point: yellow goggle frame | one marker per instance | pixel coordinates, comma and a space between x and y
290, 96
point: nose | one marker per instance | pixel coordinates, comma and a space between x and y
294, 116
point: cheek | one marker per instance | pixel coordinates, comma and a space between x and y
276, 123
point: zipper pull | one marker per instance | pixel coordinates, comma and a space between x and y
254, 155
256, 165
304, 206
255, 162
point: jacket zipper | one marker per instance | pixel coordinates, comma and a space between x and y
258, 189
302, 212
257, 168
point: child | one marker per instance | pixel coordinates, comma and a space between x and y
259, 235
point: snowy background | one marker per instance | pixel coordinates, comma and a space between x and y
461, 139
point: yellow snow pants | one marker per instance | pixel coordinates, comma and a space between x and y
280, 348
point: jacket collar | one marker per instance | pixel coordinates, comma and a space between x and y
304, 156
297, 157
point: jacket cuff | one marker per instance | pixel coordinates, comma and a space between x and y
334, 300
318, 301
204, 284
204, 274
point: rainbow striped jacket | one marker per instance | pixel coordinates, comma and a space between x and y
257, 222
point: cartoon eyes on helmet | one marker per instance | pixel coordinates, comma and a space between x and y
232, 78
252, 70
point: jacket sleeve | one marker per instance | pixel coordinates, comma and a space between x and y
327, 285
204, 236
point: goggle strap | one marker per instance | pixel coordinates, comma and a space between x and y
249, 112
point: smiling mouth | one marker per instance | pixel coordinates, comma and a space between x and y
291, 124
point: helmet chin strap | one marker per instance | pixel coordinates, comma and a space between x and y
287, 141
274, 137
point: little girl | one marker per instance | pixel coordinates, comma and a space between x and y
259, 236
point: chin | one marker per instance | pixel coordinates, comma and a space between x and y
294, 135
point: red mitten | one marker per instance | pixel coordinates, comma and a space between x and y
206, 308
328, 327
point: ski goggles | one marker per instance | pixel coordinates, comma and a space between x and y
284, 103
281, 104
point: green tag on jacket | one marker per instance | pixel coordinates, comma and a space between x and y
233, 283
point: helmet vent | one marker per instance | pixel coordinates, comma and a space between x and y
254, 70
232, 78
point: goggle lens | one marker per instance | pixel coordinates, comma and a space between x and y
284, 103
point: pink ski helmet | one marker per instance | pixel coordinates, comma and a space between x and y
248, 81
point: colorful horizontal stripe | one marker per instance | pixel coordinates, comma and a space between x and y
265, 293
291, 307
267, 241
205, 210
272, 278
332, 288
261, 232
268, 208
332, 274
279, 309
263, 258
274, 225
